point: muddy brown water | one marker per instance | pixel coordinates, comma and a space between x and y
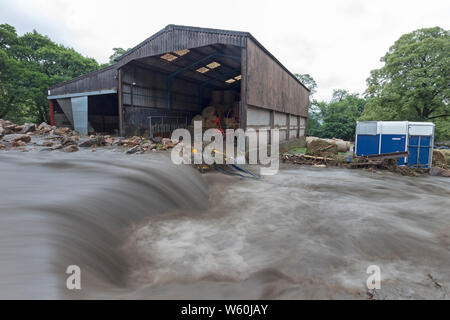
140, 227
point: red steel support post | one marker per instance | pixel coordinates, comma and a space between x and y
52, 113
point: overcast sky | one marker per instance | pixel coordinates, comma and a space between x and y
337, 42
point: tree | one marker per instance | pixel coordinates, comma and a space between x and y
414, 82
29, 65
338, 117
313, 121
117, 52
341, 114
334, 119
307, 81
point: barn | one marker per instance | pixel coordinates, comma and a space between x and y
165, 81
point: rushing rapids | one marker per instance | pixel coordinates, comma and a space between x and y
141, 227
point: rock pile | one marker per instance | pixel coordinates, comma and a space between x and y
67, 140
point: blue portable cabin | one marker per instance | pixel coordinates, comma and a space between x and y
377, 137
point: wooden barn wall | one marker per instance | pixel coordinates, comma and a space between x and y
269, 86
100, 80
148, 97
174, 39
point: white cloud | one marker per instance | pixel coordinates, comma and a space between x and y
337, 42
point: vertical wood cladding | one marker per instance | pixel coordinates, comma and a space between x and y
150, 90
98, 80
174, 38
271, 87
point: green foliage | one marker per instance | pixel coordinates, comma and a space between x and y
117, 52
414, 83
308, 81
337, 118
334, 119
29, 65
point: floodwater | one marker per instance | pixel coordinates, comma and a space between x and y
140, 227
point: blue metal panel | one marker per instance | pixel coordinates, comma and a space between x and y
425, 149
80, 114
419, 148
393, 143
368, 145
82, 94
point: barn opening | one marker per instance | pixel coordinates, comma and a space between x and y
165, 92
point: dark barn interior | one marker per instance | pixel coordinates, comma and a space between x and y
179, 85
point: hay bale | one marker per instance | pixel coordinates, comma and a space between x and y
208, 112
198, 118
231, 123
342, 146
322, 148
446, 153
439, 159
310, 139
222, 109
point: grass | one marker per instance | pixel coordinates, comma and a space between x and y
297, 150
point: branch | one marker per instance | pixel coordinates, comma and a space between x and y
441, 116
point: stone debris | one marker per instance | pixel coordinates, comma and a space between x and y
134, 150
93, 141
29, 127
439, 172
70, 148
16, 137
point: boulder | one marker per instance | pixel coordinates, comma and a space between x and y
157, 140
18, 128
10, 128
44, 127
168, 143
62, 131
148, 146
131, 142
2, 132
29, 127
47, 144
68, 141
19, 143
88, 143
92, 141
70, 148
17, 137
134, 150
439, 172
